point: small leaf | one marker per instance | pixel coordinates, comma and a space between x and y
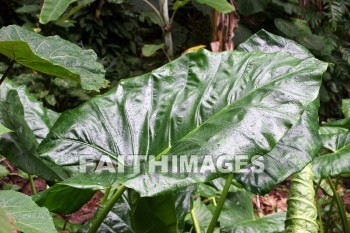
28, 216
149, 50
220, 5
302, 212
53, 9
238, 216
345, 106
52, 55
3, 129
336, 139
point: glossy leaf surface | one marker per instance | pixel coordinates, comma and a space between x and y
30, 123
269, 43
52, 10
203, 103
52, 55
302, 212
337, 140
28, 216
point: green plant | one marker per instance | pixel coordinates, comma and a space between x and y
254, 102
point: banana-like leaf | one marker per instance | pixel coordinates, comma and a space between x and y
302, 212
52, 55
30, 122
220, 5
28, 217
232, 104
52, 10
337, 140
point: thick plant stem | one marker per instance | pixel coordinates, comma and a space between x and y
196, 225
221, 202
7, 71
105, 210
341, 209
32, 185
168, 40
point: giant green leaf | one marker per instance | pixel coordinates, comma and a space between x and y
232, 104
270, 43
337, 140
53, 9
52, 55
30, 123
29, 218
302, 212
220, 5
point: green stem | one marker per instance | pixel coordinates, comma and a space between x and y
105, 196
32, 185
155, 11
195, 221
108, 206
341, 209
221, 202
319, 214
7, 71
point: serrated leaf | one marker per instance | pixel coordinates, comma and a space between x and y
302, 212
220, 5
28, 216
53, 9
52, 55
30, 123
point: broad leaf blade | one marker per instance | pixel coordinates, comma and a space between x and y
53, 9
201, 104
28, 216
336, 139
52, 55
269, 43
302, 212
30, 122
220, 5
